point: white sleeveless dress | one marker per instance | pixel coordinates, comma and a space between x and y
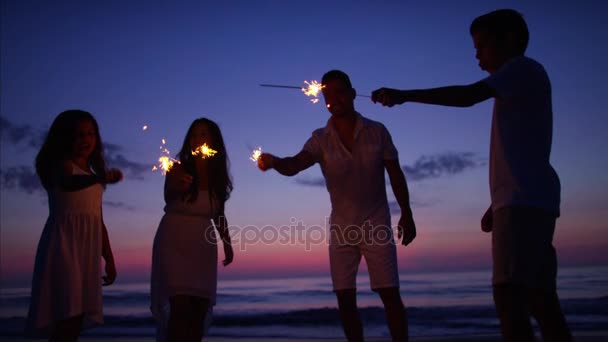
184, 257
67, 270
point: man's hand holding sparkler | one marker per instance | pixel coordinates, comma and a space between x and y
289, 166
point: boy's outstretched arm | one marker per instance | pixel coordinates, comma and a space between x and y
407, 226
454, 96
289, 166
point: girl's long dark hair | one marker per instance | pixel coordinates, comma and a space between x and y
218, 181
58, 146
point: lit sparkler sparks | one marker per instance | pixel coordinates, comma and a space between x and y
165, 162
204, 151
144, 128
255, 155
313, 90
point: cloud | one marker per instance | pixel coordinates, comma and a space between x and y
17, 134
132, 169
21, 178
435, 166
34, 138
425, 167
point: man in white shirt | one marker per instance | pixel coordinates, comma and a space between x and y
525, 189
353, 153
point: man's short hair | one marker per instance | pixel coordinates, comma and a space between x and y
336, 75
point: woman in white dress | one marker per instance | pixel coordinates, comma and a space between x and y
184, 255
66, 287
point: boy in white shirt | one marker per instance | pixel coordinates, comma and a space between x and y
525, 189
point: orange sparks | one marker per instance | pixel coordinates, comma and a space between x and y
204, 151
313, 90
165, 162
255, 155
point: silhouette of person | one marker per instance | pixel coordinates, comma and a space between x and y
353, 153
183, 283
524, 187
66, 295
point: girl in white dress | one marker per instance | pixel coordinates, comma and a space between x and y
66, 287
184, 255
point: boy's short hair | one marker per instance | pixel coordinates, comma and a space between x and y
501, 22
336, 75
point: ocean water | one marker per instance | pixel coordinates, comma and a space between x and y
438, 304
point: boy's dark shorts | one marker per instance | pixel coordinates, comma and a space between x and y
522, 249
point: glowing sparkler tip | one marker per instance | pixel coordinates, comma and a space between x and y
144, 128
255, 155
165, 162
204, 151
313, 90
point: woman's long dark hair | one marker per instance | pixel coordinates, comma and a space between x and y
58, 146
218, 182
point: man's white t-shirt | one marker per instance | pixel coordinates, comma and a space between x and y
355, 179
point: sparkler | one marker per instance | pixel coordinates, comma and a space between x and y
255, 155
165, 162
313, 89
144, 128
204, 151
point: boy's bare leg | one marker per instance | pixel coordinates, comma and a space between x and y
545, 307
513, 313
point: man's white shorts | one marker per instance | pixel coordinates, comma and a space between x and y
380, 255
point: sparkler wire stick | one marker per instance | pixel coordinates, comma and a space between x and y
293, 87
280, 86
